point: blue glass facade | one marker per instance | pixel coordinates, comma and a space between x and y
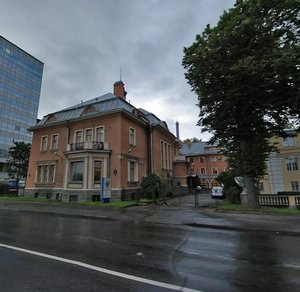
20, 87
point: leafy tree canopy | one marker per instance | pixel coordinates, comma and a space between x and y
18, 159
245, 71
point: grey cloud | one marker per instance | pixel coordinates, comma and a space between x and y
85, 43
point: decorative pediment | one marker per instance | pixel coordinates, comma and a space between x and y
89, 110
51, 119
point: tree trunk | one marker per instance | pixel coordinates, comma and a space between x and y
251, 191
249, 181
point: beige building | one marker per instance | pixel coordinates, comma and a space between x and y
283, 171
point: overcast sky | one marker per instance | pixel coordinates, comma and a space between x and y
84, 43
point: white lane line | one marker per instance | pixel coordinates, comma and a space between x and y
102, 270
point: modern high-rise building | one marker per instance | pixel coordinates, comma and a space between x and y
20, 87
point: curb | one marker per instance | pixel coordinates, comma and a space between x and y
239, 228
58, 214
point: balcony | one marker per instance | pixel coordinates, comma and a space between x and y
87, 146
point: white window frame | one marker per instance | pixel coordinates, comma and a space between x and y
101, 166
44, 143
53, 146
292, 164
213, 158
165, 155
102, 134
132, 136
214, 169
43, 173
289, 142
295, 186
71, 171
76, 137
136, 170
85, 135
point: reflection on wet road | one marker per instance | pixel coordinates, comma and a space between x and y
197, 258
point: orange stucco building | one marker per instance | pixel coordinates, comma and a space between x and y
199, 159
73, 149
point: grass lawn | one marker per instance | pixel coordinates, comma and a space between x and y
226, 206
22, 199
118, 204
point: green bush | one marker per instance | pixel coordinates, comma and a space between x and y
233, 194
150, 186
4, 188
153, 187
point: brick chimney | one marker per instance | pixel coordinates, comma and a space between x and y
119, 89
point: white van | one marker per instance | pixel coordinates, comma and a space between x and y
217, 193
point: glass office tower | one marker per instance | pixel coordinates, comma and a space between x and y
20, 87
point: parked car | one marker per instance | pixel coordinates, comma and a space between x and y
217, 193
12, 183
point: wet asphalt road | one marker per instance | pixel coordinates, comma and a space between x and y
197, 258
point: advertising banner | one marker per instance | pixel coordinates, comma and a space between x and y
105, 192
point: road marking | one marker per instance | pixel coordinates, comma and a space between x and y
102, 270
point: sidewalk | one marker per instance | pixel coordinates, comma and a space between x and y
175, 213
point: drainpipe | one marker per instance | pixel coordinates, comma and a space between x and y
149, 150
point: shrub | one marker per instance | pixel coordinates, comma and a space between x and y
4, 188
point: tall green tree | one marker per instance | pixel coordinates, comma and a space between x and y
245, 72
18, 159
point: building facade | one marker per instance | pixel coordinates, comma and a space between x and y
20, 86
199, 159
105, 137
283, 170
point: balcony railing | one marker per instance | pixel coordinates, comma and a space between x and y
87, 146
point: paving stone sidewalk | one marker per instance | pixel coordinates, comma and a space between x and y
177, 212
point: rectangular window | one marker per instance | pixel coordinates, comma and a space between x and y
132, 136
100, 134
201, 159
292, 164
169, 157
214, 170
39, 178
162, 154
51, 173
45, 173
77, 171
78, 140
202, 170
78, 137
54, 142
44, 143
132, 171
213, 158
97, 171
89, 135
295, 186
261, 186
165, 155
289, 142
191, 160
